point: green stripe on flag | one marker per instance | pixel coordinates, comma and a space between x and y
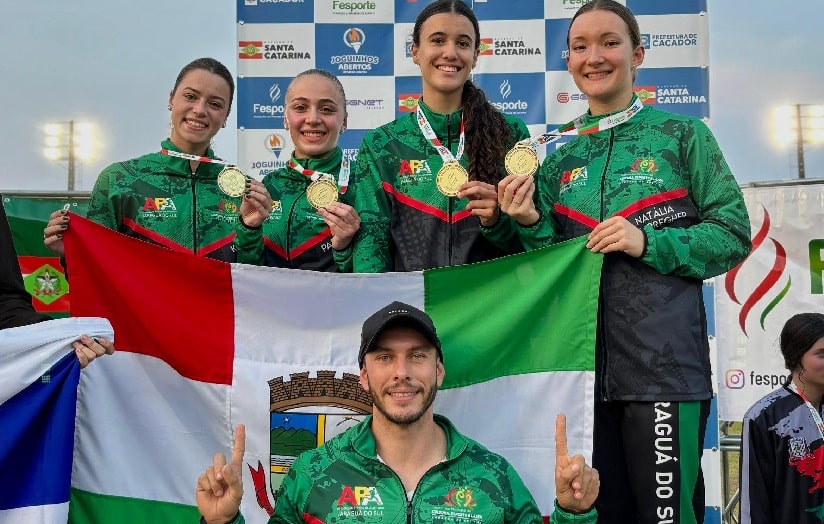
533, 312
86, 508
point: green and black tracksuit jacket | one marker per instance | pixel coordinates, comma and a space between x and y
344, 481
667, 176
157, 198
406, 223
295, 235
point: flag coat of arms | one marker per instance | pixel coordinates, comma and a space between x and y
204, 345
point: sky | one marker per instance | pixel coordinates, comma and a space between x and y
114, 63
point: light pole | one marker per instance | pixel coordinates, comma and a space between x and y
802, 123
70, 142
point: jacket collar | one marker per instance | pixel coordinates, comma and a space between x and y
181, 165
329, 164
441, 123
364, 441
633, 123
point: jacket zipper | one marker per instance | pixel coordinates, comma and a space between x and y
194, 211
601, 320
449, 199
289, 229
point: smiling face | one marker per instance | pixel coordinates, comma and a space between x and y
446, 53
402, 374
200, 105
315, 115
602, 59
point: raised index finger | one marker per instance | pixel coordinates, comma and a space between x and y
560, 437
240, 446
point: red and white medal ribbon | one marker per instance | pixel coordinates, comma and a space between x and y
314, 175
577, 127
197, 158
429, 134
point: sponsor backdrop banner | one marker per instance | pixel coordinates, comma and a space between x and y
521, 67
782, 276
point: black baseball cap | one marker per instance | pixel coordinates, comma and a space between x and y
396, 314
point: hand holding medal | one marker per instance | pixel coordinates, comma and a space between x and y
521, 160
323, 190
232, 182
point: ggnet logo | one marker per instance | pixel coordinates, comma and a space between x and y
734, 378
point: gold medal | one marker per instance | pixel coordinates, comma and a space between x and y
231, 181
521, 160
451, 176
322, 192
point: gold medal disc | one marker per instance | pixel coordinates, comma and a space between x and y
451, 176
322, 192
231, 181
521, 160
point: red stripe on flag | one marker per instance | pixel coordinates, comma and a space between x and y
30, 264
139, 286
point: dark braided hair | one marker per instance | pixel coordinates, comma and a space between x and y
487, 134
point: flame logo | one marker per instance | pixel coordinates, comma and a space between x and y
769, 281
274, 143
505, 89
274, 92
354, 37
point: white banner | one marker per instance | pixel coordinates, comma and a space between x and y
781, 277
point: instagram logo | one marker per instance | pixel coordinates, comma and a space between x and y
734, 378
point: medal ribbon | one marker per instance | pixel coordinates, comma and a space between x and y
429, 134
204, 159
577, 127
815, 414
343, 176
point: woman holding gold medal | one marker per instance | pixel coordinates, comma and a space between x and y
654, 195
181, 197
310, 226
425, 183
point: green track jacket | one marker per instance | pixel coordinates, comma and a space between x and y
295, 235
157, 198
406, 223
666, 175
343, 481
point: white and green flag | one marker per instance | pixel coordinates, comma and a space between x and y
204, 345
